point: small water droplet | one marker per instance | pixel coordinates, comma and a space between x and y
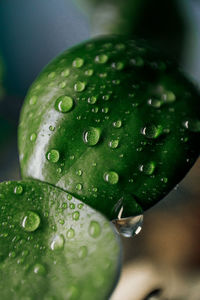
53, 156
106, 97
62, 85
148, 168
51, 128
31, 221
79, 86
58, 242
111, 177
152, 131
113, 144
70, 233
79, 172
168, 97
118, 65
33, 137
164, 179
192, 124
79, 187
92, 136
128, 227
137, 61
64, 104
65, 73
92, 100
76, 215
52, 75
78, 62
18, 190
117, 124
39, 269
33, 100
101, 59
89, 72
155, 103
83, 252
94, 229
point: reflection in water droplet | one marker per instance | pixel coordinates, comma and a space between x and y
117, 124
128, 227
111, 177
155, 103
114, 144
31, 221
79, 86
33, 137
91, 136
57, 243
92, 100
192, 124
18, 190
148, 168
64, 104
152, 131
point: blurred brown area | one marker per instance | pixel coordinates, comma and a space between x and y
166, 254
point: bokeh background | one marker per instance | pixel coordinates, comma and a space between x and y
163, 262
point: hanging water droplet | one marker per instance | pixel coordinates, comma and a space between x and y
128, 227
111, 177
78, 62
58, 242
92, 100
94, 229
31, 221
64, 104
117, 124
92, 136
152, 131
101, 59
192, 124
114, 144
18, 190
79, 86
53, 156
148, 168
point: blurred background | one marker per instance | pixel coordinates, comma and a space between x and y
163, 262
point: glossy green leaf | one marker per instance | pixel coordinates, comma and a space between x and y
52, 246
130, 135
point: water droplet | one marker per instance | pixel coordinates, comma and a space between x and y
31, 221
106, 97
155, 103
58, 242
53, 156
152, 131
18, 190
92, 136
101, 59
192, 125
33, 100
164, 179
120, 46
89, 72
92, 100
94, 229
148, 168
52, 75
118, 65
65, 73
79, 86
39, 269
64, 104
79, 187
168, 97
62, 85
70, 233
111, 177
114, 144
78, 62
137, 61
80, 205
128, 227
51, 128
83, 252
33, 137
117, 124
79, 172
76, 215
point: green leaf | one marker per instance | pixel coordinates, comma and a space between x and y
129, 137
52, 246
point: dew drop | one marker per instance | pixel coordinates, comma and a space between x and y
92, 136
58, 242
18, 190
92, 100
94, 229
79, 86
64, 104
152, 131
70, 233
101, 59
117, 124
128, 227
78, 62
31, 221
114, 144
111, 177
53, 156
76, 215
148, 168
79, 187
